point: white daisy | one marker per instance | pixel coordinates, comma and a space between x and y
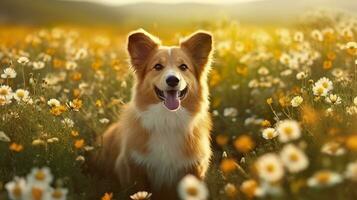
325, 82
190, 188
141, 195
337, 72
38, 142
288, 130
333, 149
324, 178
317, 35
9, 73
319, 90
329, 112
285, 59
71, 65
271, 189
301, 75
263, 71
40, 176
351, 110
270, 168
38, 65
53, 102
81, 54
37, 191
4, 101
269, 133
351, 45
68, 122
286, 72
80, 159
6, 92
53, 140
333, 99
296, 101
104, 120
351, 171
230, 112
21, 95
58, 193
16, 188
251, 188
230, 190
299, 36
23, 60
293, 158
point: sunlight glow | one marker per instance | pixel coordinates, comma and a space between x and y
120, 2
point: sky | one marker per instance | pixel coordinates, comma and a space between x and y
120, 2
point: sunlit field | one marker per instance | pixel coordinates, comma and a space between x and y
283, 102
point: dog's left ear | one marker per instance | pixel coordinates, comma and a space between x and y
199, 47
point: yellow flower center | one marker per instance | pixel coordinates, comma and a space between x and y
192, 191
40, 175
288, 131
334, 147
294, 157
265, 123
286, 61
270, 134
17, 192
3, 92
36, 193
270, 168
57, 194
325, 84
320, 90
323, 177
20, 94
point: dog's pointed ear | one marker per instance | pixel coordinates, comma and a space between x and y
141, 45
199, 47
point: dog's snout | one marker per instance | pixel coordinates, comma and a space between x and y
172, 81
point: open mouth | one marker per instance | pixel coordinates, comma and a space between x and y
171, 98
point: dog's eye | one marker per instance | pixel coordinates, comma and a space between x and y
158, 67
183, 67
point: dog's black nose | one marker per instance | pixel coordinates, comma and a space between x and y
172, 81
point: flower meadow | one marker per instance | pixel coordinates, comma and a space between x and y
283, 102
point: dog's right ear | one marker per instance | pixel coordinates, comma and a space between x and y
141, 45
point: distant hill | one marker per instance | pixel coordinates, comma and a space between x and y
76, 12
55, 11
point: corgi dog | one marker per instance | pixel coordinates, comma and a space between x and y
163, 133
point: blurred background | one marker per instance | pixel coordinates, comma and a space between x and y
172, 13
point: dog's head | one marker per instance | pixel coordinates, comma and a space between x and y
174, 75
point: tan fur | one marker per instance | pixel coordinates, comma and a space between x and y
128, 136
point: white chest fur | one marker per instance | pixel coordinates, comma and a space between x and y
167, 130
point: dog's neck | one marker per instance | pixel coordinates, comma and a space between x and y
159, 120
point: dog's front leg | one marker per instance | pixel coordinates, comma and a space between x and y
122, 170
131, 175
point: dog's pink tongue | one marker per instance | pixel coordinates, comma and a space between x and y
172, 100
